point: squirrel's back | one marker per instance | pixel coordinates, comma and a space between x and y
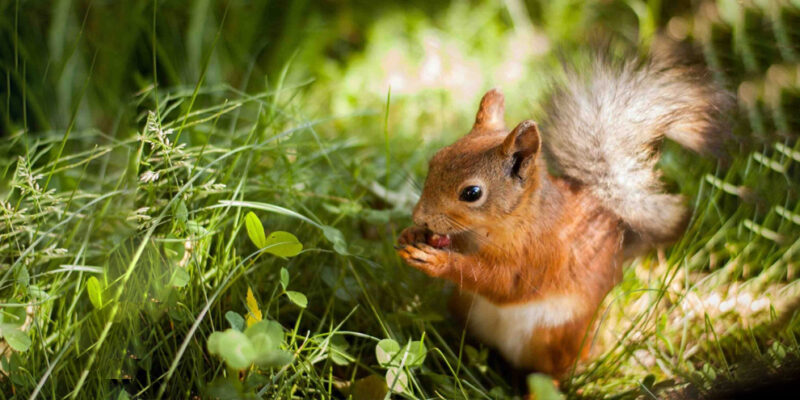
604, 125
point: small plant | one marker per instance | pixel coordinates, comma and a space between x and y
12, 329
281, 244
253, 343
259, 344
397, 359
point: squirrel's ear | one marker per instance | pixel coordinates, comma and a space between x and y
491, 111
523, 143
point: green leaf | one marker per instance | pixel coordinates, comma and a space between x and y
23, 276
17, 339
385, 351
180, 277
648, 381
252, 382
123, 395
297, 298
709, 372
196, 228
181, 213
11, 363
282, 244
267, 337
416, 354
332, 234
274, 358
255, 230
397, 380
95, 292
226, 387
233, 346
262, 344
12, 317
235, 319
338, 351
284, 278
37, 292
273, 329
541, 387
213, 342
335, 236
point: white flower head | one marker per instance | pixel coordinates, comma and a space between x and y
149, 176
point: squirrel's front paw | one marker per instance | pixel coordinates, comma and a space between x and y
413, 234
427, 259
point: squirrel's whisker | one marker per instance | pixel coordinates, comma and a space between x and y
410, 177
469, 231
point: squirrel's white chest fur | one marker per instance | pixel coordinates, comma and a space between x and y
509, 327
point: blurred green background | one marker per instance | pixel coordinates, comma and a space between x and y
129, 127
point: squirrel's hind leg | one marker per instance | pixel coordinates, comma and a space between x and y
555, 350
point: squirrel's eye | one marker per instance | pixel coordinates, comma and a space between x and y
470, 194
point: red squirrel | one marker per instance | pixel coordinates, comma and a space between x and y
533, 254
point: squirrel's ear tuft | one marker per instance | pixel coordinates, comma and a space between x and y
491, 111
523, 143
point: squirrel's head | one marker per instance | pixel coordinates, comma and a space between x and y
482, 176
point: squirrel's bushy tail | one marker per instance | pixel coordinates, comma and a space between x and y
604, 125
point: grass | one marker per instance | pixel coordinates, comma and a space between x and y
138, 136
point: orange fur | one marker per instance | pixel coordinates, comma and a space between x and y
534, 255
578, 253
